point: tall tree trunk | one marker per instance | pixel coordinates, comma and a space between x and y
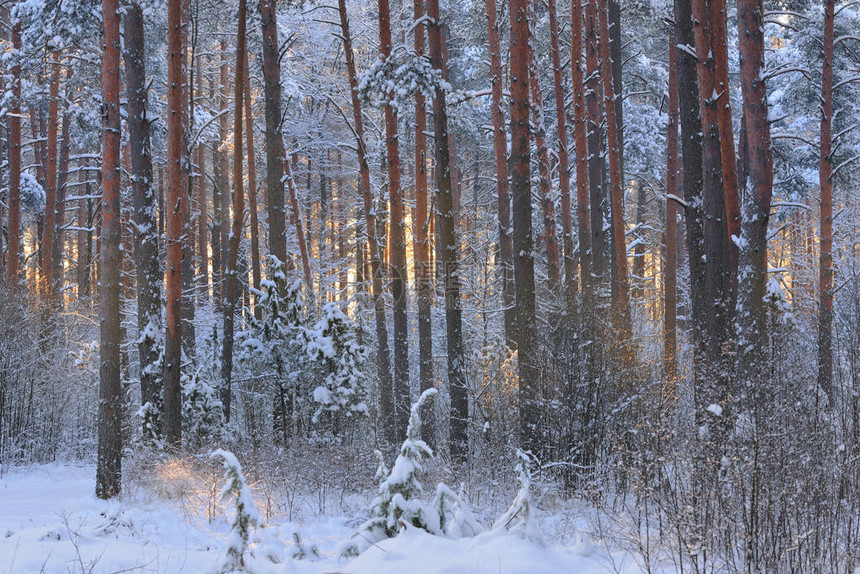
57, 257
570, 286
580, 135
728, 160
84, 220
146, 238
176, 203
825, 179
500, 152
48, 231
189, 243
529, 409
274, 143
670, 276
300, 228
109, 469
459, 438
223, 211
203, 222
692, 180
614, 13
383, 357
230, 290
752, 320
717, 283
399, 279
620, 285
553, 263
252, 191
421, 224
596, 160
13, 119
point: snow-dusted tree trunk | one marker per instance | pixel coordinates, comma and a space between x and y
13, 120
230, 275
274, 139
570, 286
825, 179
421, 225
203, 214
529, 410
46, 250
62, 180
145, 209
109, 469
399, 279
580, 138
175, 203
670, 275
620, 283
252, 190
550, 237
752, 316
383, 357
596, 157
449, 257
500, 152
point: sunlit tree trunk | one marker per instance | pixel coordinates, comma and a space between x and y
62, 179
670, 276
421, 225
175, 203
399, 279
252, 191
109, 469
223, 211
231, 276
383, 358
300, 227
189, 243
203, 221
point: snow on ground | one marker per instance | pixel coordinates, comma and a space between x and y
50, 521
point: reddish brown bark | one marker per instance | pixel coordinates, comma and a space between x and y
825, 178
580, 135
596, 159
175, 203
550, 238
500, 153
529, 408
752, 320
109, 469
620, 284
563, 161
13, 247
421, 225
670, 278
223, 212
300, 228
383, 358
252, 190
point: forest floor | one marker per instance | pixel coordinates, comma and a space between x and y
50, 521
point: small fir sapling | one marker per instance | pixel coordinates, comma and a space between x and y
518, 518
332, 343
399, 501
247, 515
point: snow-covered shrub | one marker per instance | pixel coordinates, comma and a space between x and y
247, 515
518, 518
333, 345
456, 519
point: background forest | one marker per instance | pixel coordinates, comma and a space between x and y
619, 235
